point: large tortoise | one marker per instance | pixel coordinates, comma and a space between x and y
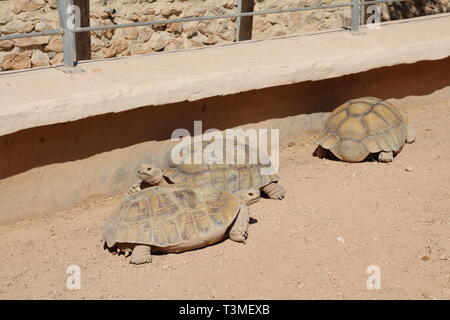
176, 218
363, 127
231, 177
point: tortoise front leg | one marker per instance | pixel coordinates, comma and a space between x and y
410, 134
135, 188
239, 229
384, 156
141, 254
274, 191
138, 186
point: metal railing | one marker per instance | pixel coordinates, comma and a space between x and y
68, 28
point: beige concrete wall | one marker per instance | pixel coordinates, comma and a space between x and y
20, 16
56, 167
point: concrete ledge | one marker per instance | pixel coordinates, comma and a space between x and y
48, 96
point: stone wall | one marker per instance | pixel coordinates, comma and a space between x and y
20, 16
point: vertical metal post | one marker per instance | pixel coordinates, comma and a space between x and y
83, 39
69, 44
356, 16
364, 15
244, 24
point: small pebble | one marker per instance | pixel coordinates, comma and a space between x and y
409, 168
340, 239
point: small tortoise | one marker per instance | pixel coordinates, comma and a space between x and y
176, 218
364, 126
231, 177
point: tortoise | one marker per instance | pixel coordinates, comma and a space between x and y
232, 177
177, 218
362, 127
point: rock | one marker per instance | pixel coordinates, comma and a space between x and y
54, 45
17, 26
145, 34
5, 12
175, 44
190, 28
39, 59
2, 56
148, 11
174, 27
159, 40
41, 26
53, 4
130, 33
31, 42
167, 12
119, 46
6, 44
193, 11
96, 44
190, 43
409, 168
340, 239
109, 52
229, 5
16, 61
200, 37
142, 48
210, 40
19, 6
58, 59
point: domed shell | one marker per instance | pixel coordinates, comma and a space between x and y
250, 170
363, 126
173, 218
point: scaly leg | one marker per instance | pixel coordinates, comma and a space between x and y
274, 191
386, 156
141, 254
238, 231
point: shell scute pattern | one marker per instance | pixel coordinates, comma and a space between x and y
238, 175
363, 126
172, 216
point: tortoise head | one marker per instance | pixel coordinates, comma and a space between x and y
249, 196
150, 174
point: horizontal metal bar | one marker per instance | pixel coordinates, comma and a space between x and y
31, 34
379, 1
190, 19
225, 16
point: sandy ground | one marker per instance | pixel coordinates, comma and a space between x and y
337, 220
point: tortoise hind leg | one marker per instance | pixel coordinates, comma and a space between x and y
385, 157
238, 231
274, 191
141, 254
321, 152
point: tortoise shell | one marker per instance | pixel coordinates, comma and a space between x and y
363, 126
172, 218
254, 171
